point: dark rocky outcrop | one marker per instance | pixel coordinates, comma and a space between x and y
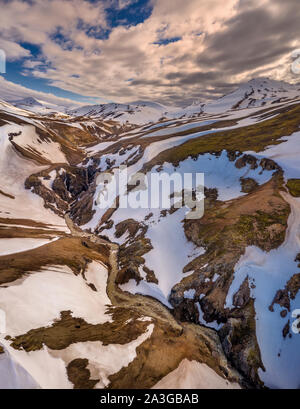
246, 160
248, 185
284, 296
79, 374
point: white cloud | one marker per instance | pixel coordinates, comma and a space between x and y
128, 65
123, 4
13, 50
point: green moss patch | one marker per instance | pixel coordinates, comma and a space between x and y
294, 187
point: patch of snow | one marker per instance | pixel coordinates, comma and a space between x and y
17, 245
13, 376
99, 147
38, 300
189, 294
43, 369
194, 375
104, 360
286, 154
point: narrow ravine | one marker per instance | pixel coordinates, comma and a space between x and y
145, 305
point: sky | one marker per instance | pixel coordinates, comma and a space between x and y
171, 51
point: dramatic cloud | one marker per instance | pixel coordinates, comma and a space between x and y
183, 50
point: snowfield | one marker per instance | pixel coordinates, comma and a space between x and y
14, 245
194, 375
25, 304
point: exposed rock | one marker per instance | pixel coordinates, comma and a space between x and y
106, 226
150, 275
283, 296
82, 211
286, 329
51, 199
59, 187
131, 226
242, 296
233, 155
211, 193
248, 185
79, 375
246, 160
283, 313
132, 251
240, 344
150, 215
298, 259
187, 312
269, 164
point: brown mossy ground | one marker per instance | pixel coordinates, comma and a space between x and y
72, 252
26, 228
293, 186
24, 222
190, 131
162, 353
7, 232
69, 330
71, 139
259, 218
79, 374
246, 220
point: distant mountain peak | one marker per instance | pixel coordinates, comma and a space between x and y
28, 101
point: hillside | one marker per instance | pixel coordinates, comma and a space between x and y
127, 297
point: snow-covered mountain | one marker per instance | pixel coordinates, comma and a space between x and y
255, 93
38, 106
139, 113
261, 92
27, 102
